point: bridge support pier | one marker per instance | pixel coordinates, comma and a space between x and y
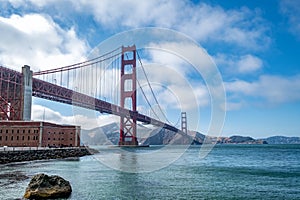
128, 92
27, 92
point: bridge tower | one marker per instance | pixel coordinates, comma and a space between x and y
128, 93
183, 122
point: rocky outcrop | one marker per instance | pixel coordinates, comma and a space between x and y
43, 186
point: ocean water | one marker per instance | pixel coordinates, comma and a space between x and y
228, 172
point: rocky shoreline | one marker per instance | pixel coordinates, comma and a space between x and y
30, 155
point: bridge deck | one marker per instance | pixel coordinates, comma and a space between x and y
49, 91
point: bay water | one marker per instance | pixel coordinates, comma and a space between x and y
227, 172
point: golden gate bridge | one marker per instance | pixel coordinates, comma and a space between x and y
107, 83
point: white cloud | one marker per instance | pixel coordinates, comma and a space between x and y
182, 97
85, 120
131, 13
203, 22
273, 89
41, 112
241, 27
176, 83
249, 63
39, 3
37, 41
291, 9
244, 64
174, 54
230, 106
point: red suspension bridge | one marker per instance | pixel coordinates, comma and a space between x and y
107, 83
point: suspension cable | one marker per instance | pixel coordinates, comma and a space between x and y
81, 64
145, 95
147, 99
151, 88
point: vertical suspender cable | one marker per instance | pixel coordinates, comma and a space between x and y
61, 72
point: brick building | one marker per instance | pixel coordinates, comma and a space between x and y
38, 134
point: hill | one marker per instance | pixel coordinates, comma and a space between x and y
236, 139
149, 135
282, 140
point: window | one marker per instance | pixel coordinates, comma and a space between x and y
53, 138
1, 131
29, 131
28, 137
17, 137
12, 138
12, 131
18, 131
6, 138
23, 137
48, 138
0, 138
23, 130
6, 131
71, 138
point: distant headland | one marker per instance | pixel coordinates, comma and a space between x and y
108, 135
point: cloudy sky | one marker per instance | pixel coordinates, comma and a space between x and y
255, 45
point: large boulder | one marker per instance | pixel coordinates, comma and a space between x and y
43, 186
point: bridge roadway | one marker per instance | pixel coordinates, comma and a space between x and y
49, 91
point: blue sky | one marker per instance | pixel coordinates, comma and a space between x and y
255, 45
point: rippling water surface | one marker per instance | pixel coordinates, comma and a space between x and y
228, 172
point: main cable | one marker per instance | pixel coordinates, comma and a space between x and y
80, 64
151, 88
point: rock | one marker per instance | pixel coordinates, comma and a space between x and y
43, 186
